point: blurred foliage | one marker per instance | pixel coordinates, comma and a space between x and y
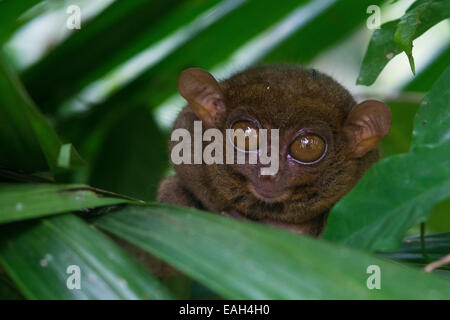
132, 146
11, 16
72, 67
98, 92
8, 291
403, 188
411, 251
27, 140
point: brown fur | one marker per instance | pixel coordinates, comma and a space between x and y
288, 98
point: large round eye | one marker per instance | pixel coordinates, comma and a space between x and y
308, 148
245, 135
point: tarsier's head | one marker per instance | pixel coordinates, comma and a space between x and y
326, 140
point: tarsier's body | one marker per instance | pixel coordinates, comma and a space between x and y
316, 118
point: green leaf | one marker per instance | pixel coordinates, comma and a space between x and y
394, 194
10, 15
432, 122
243, 260
396, 36
439, 221
27, 140
382, 48
400, 190
424, 80
419, 18
399, 138
37, 255
26, 201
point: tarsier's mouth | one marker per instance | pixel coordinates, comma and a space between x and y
269, 196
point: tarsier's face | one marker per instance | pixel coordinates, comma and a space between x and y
305, 150
326, 140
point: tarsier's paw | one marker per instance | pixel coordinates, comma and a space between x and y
234, 214
311, 228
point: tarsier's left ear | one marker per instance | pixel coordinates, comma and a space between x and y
203, 93
366, 124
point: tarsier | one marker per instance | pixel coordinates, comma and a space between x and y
326, 143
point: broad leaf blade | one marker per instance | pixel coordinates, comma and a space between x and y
432, 122
27, 201
424, 80
399, 138
396, 193
396, 36
417, 19
36, 256
382, 48
241, 260
439, 221
400, 190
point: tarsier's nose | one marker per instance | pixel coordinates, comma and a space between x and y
269, 182
269, 188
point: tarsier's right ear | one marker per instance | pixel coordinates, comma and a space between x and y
366, 124
203, 94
